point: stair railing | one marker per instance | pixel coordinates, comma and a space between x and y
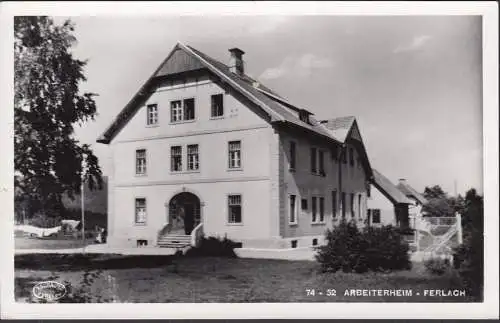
166, 229
196, 235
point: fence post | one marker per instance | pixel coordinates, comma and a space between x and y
459, 227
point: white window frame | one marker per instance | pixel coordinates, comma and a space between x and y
176, 111
230, 157
321, 209
172, 170
314, 209
152, 116
293, 155
295, 209
372, 211
223, 106
195, 162
144, 170
228, 213
145, 211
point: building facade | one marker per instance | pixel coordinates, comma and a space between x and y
202, 146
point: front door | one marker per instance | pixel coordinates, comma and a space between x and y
183, 213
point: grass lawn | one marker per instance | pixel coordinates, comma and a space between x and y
46, 243
159, 279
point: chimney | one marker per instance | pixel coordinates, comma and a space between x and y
402, 180
236, 64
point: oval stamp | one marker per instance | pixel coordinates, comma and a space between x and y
49, 290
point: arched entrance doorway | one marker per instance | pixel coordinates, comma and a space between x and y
184, 213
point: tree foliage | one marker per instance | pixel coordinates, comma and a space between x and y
373, 248
47, 106
439, 204
469, 257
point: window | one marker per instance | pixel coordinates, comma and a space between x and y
334, 203
313, 206
293, 209
304, 116
176, 158
344, 155
192, 157
342, 204
376, 216
360, 215
235, 154
292, 155
313, 161
303, 204
352, 204
351, 156
234, 207
140, 211
321, 209
152, 114
321, 158
334, 152
182, 110
140, 162
176, 111
189, 109
217, 105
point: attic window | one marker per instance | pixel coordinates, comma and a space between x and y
304, 116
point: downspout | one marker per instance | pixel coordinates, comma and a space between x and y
342, 202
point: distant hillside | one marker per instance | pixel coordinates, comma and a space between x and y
95, 201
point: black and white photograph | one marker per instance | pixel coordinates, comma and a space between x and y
190, 156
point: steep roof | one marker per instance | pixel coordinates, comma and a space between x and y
276, 107
409, 191
388, 189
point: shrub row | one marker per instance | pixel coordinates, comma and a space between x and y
373, 248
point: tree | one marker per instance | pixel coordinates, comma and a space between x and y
469, 257
47, 105
440, 204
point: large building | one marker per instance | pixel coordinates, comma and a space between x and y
202, 147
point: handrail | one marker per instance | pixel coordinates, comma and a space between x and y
196, 235
166, 228
442, 240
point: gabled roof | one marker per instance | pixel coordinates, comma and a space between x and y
389, 190
278, 109
411, 192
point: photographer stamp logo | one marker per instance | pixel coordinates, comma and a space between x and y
49, 290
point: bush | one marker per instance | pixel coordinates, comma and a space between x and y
468, 260
213, 247
351, 250
437, 266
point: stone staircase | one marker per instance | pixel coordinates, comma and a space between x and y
178, 241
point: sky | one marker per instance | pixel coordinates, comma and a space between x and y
412, 82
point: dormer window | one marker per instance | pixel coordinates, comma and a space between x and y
304, 116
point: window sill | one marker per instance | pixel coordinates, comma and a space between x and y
291, 170
318, 223
181, 122
141, 175
217, 118
184, 172
235, 169
235, 224
140, 224
152, 125
293, 224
